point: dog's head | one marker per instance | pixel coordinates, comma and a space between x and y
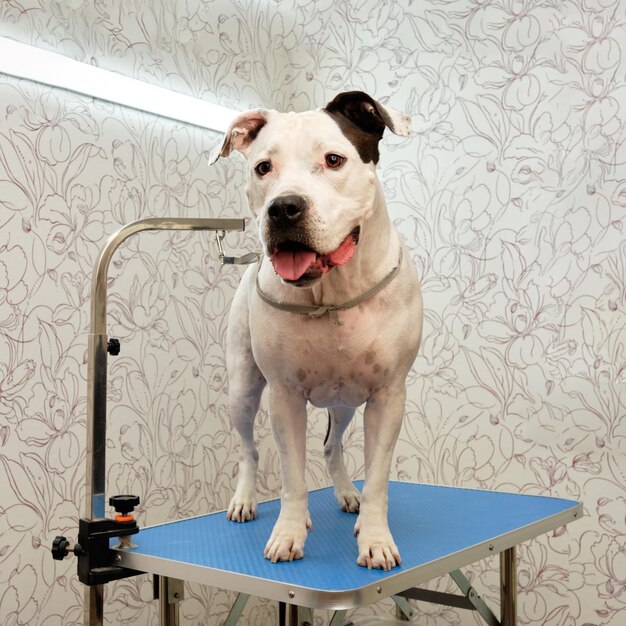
312, 179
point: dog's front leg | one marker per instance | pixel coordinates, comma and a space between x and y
288, 418
382, 420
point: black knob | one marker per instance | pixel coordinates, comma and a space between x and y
113, 347
60, 548
124, 504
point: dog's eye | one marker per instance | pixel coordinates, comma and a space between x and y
334, 160
263, 168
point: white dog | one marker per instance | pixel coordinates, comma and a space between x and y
332, 316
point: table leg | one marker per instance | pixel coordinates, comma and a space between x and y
287, 614
508, 587
293, 615
94, 605
170, 594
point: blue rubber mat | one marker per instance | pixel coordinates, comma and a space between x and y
429, 523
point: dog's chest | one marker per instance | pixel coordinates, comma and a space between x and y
329, 365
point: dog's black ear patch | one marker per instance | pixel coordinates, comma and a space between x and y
363, 120
366, 143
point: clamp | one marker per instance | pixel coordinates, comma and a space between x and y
96, 560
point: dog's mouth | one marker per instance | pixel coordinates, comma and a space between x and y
297, 263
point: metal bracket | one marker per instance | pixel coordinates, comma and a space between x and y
169, 592
305, 616
175, 590
338, 617
470, 599
403, 608
472, 595
236, 609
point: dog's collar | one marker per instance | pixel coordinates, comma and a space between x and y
331, 309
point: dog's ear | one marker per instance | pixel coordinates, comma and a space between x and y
240, 134
369, 114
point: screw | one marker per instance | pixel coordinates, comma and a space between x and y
118, 558
491, 547
379, 589
176, 594
291, 594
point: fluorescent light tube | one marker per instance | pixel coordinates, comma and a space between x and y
50, 68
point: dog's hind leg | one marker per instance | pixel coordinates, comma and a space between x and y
346, 493
245, 387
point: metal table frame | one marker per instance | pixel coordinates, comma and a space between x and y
294, 609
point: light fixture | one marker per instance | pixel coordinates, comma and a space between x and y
24, 61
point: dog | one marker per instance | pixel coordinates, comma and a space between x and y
331, 316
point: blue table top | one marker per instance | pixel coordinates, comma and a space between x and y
430, 524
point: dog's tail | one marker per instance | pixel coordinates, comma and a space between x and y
327, 429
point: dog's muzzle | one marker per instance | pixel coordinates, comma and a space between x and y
290, 248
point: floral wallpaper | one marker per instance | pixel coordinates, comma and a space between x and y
511, 195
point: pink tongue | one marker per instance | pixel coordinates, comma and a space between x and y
291, 265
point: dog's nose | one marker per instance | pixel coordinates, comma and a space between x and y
285, 211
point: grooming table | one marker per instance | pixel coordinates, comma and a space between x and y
437, 530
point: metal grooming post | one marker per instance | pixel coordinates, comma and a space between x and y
97, 375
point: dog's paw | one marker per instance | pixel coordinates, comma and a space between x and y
377, 551
241, 509
286, 543
349, 499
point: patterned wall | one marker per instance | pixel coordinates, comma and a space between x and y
512, 197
